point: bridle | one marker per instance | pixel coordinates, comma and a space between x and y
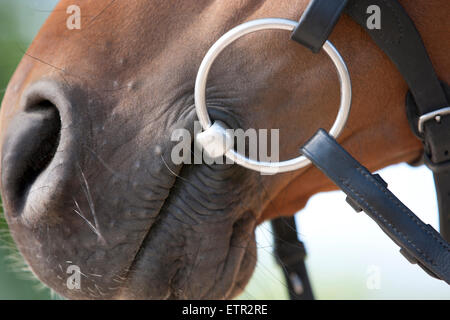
427, 105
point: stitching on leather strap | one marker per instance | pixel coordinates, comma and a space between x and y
400, 206
383, 219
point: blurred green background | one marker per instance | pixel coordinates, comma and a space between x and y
343, 246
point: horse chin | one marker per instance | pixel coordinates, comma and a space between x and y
201, 246
207, 262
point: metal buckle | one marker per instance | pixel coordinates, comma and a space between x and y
214, 140
436, 115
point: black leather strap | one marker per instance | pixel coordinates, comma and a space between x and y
402, 43
400, 40
397, 37
291, 255
436, 140
317, 22
442, 182
419, 242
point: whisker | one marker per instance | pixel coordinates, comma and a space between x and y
107, 167
171, 171
79, 212
90, 201
87, 193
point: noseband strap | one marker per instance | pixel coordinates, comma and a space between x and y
427, 108
419, 242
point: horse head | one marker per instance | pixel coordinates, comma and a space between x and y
86, 125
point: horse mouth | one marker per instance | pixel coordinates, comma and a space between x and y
191, 242
133, 268
183, 259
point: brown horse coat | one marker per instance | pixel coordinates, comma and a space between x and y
104, 196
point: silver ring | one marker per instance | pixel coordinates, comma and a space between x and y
240, 31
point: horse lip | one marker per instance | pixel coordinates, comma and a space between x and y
142, 246
217, 112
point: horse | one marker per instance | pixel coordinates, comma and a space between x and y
85, 131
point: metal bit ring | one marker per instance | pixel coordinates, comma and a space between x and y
212, 134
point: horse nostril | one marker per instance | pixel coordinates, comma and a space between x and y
29, 146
